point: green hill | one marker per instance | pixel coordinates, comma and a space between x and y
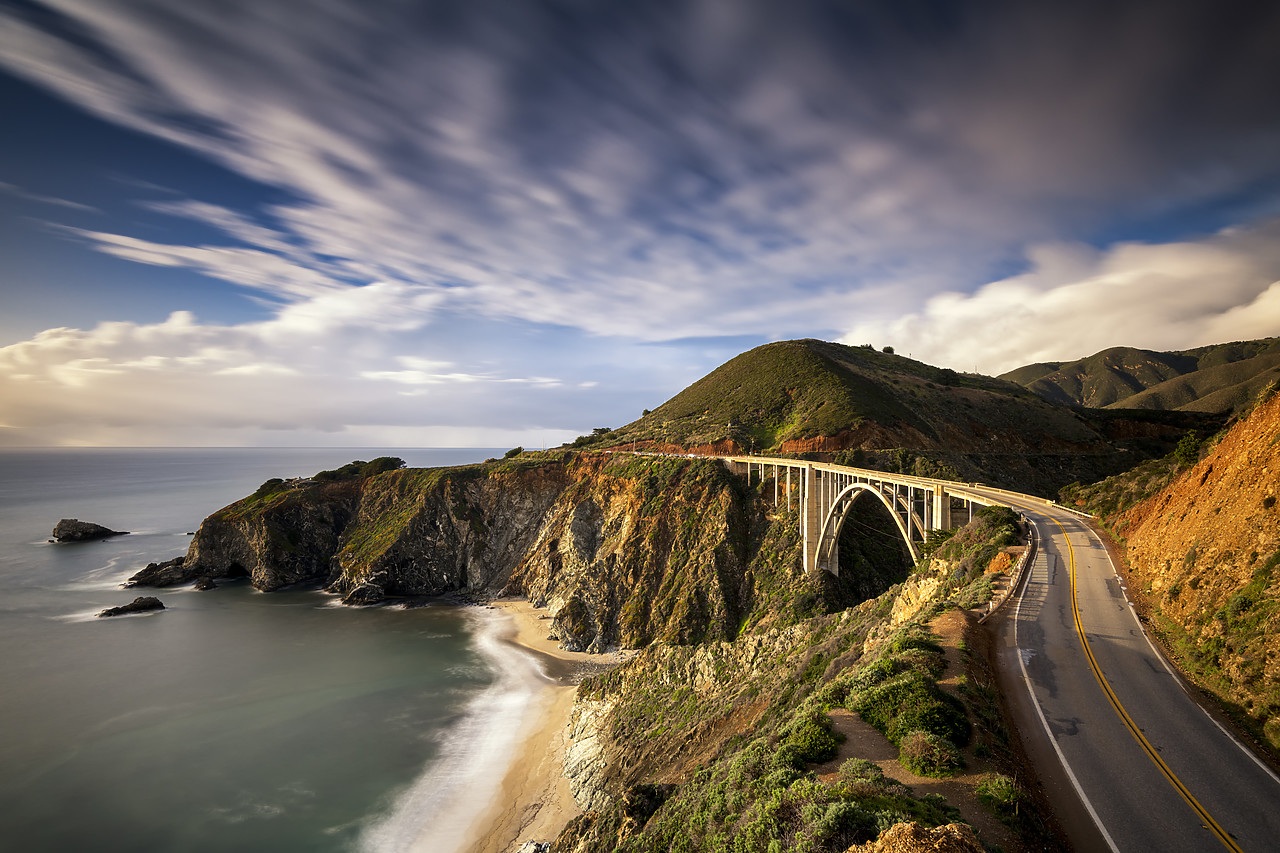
878, 409
1220, 378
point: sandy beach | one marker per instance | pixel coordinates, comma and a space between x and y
534, 802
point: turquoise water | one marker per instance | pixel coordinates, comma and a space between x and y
233, 719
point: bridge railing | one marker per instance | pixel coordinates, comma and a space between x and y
950, 486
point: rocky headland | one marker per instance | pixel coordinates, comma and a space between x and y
621, 550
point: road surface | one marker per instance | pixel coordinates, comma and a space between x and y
1145, 767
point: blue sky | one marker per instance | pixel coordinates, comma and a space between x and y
490, 223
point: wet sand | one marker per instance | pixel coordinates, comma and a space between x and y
534, 802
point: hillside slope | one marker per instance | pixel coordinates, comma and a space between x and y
1206, 551
812, 396
1216, 378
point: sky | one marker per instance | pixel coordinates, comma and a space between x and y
473, 223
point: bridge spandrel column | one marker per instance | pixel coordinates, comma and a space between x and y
812, 518
941, 509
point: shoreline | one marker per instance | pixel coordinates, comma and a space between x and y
533, 802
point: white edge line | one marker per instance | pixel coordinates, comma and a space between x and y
1026, 679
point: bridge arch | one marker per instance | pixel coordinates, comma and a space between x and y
903, 514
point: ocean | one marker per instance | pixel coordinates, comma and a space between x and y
233, 719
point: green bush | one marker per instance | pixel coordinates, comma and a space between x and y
860, 771
1002, 795
912, 701
813, 740
513, 452
360, 469
1187, 453
927, 754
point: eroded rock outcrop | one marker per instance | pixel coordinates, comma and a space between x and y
914, 838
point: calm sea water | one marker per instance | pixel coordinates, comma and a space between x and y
232, 720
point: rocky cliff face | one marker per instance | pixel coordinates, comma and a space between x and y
623, 550
404, 532
1207, 551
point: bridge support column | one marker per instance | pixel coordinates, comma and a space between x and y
941, 509
812, 516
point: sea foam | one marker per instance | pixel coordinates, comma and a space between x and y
441, 810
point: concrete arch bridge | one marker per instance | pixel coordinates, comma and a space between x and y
825, 493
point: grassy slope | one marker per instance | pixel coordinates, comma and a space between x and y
796, 390
1217, 388
1217, 378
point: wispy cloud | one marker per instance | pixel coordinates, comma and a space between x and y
631, 172
19, 192
654, 172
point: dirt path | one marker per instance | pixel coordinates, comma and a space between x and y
863, 741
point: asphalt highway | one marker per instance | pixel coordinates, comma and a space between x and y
1145, 767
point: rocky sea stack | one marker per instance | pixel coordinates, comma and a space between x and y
141, 604
75, 530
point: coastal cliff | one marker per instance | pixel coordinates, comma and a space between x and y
622, 550
742, 654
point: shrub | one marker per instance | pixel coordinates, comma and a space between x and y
860, 771
1011, 805
513, 452
909, 702
927, 754
813, 740
1187, 453
841, 824
360, 469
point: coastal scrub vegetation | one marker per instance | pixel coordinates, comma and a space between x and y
360, 469
734, 730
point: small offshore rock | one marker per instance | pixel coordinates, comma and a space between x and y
205, 583
141, 604
75, 530
167, 573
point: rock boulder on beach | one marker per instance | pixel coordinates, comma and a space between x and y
75, 530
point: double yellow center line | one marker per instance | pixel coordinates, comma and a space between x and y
1218, 831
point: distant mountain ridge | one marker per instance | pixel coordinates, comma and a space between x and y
1221, 378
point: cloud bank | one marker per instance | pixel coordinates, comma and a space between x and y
1075, 301
631, 174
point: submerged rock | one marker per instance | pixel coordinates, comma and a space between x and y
141, 604
75, 530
